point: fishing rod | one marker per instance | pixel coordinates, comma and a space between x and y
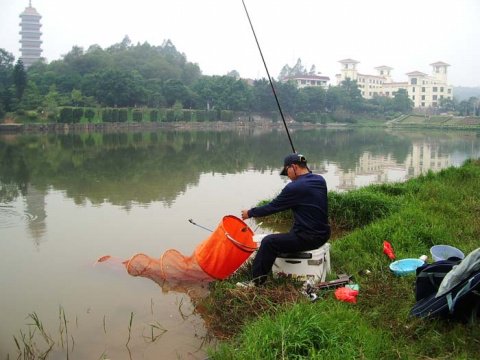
229, 237
269, 78
205, 228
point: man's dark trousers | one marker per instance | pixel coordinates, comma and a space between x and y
274, 244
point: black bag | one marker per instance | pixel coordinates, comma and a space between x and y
460, 301
430, 276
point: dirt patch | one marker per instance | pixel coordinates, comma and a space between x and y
226, 310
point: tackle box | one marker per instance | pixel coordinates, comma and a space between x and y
305, 264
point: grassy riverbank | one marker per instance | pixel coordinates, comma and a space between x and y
436, 121
277, 322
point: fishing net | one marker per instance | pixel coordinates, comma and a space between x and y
217, 257
172, 265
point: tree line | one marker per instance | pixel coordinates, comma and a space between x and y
131, 76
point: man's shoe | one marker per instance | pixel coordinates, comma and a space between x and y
246, 284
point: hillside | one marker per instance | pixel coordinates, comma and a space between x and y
464, 93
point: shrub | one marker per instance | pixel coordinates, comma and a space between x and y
31, 115
66, 115
122, 115
201, 115
154, 115
89, 114
187, 115
359, 208
114, 115
107, 115
77, 114
226, 115
137, 115
170, 116
162, 115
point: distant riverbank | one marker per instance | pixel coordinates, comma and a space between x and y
404, 121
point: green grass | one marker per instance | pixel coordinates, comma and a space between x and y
439, 121
442, 208
322, 330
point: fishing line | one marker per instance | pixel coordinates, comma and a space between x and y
269, 78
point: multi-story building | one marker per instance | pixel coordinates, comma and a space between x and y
30, 36
424, 90
302, 81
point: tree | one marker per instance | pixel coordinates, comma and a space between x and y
285, 72
298, 69
116, 88
175, 90
474, 104
222, 92
287, 96
333, 99
352, 99
379, 104
447, 104
76, 97
469, 107
19, 79
263, 99
31, 99
6, 80
401, 101
234, 73
122, 75
313, 98
51, 102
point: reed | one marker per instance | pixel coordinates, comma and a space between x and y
156, 331
129, 329
28, 347
104, 325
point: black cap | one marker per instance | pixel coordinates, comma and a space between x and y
293, 159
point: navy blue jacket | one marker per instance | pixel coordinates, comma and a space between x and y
307, 197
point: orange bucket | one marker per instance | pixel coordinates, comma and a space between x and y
228, 247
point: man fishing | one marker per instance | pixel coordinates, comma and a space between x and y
306, 196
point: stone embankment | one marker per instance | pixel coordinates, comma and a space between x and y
113, 127
147, 126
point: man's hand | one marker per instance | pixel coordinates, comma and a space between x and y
245, 214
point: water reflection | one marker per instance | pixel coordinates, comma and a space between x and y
378, 169
35, 209
138, 168
426, 157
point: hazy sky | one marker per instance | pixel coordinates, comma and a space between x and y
407, 35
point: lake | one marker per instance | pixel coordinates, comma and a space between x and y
66, 200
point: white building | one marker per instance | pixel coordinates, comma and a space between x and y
302, 81
424, 90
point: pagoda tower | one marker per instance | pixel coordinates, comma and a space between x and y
30, 36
